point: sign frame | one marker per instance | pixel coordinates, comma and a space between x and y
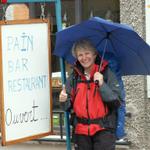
49, 127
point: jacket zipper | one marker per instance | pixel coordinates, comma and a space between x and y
87, 107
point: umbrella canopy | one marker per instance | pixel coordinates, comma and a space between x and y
115, 41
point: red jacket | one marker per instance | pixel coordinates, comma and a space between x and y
88, 103
91, 102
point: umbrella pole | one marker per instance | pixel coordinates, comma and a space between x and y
102, 58
103, 54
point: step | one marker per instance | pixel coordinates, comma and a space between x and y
44, 146
52, 142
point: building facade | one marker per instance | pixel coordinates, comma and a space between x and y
138, 127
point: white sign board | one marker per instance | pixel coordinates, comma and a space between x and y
147, 17
26, 93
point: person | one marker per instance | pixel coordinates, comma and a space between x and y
121, 113
92, 92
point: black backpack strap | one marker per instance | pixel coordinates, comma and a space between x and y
105, 122
86, 121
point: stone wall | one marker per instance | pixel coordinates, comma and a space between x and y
138, 126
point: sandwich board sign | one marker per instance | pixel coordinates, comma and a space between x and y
25, 88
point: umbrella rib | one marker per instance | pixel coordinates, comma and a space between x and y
113, 46
129, 49
105, 31
123, 43
100, 41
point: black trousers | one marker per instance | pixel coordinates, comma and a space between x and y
102, 140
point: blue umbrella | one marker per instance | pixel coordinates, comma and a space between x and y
112, 40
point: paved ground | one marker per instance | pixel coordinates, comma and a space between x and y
35, 146
46, 144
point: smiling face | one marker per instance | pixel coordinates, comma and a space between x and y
85, 53
86, 57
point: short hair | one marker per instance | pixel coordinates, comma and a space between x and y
83, 44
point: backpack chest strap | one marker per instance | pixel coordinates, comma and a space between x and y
103, 122
99, 121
